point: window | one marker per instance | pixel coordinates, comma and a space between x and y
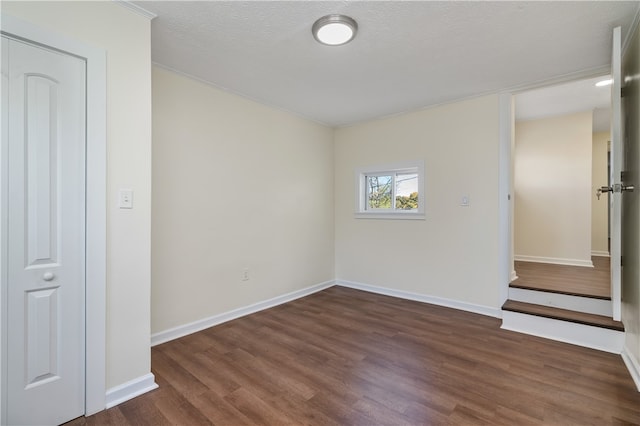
391, 191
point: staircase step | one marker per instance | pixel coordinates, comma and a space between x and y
515, 284
562, 301
577, 328
563, 315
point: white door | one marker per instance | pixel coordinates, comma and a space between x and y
615, 198
46, 233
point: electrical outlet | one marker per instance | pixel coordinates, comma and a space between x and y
125, 198
245, 274
464, 201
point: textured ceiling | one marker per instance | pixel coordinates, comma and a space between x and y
407, 54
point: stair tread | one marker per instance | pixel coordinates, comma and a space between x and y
563, 314
534, 287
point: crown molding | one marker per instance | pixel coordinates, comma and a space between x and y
137, 9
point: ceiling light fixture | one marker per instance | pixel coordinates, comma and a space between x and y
334, 30
603, 83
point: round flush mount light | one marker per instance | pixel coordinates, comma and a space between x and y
334, 30
603, 83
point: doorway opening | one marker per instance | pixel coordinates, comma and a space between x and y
560, 160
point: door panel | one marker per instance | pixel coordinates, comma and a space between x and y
46, 234
631, 200
616, 168
40, 120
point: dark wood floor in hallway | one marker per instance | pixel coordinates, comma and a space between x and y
346, 357
575, 280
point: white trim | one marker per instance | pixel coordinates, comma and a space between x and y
513, 277
632, 365
504, 198
396, 215
4, 197
95, 198
602, 339
554, 260
600, 253
136, 9
126, 391
433, 300
186, 329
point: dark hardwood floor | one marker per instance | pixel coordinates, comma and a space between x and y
346, 357
575, 280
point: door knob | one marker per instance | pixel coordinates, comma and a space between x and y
48, 276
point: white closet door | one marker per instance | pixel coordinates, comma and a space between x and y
46, 233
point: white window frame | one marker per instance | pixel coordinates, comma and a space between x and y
385, 170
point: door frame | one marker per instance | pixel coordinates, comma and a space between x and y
506, 192
96, 219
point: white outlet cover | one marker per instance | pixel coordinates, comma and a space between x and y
125, 199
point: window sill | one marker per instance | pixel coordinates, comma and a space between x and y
394, 216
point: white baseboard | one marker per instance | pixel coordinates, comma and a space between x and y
632, 365
131, 389
514, 276
554, 260
602, 339
183, 330
599, 253
449, 303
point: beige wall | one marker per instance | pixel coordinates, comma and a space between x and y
599, 208
553, 188
631, 204
126, 38
236, 185
453, 254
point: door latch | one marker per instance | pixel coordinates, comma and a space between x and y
618, 187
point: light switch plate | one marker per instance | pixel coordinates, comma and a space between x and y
464, 201
125, 198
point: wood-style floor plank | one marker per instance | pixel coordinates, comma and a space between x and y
346, 357
573, 280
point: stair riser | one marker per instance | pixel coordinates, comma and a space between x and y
602, 339
563, 301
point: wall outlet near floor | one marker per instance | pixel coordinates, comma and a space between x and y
245, 274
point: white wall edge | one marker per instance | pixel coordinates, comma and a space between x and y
126, 391
600, 253
433, 300
554, 260
193, 327
632, 365
601, 339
